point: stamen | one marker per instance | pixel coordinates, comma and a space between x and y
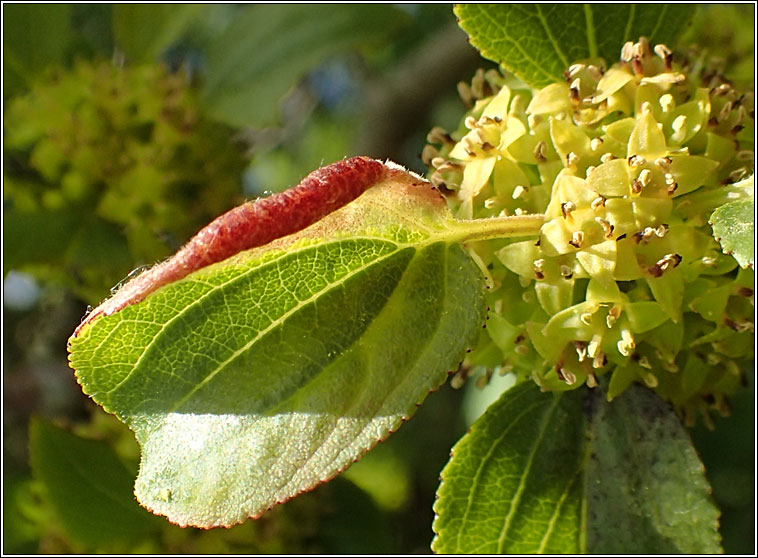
665, 54
464, 92
645, 177
539, 151
679, 126
627, 51
437, 162
577, 239
428, 154
538, 268
725, 111
636, 161
607, 227
663, 163
574, 90
521, 350
661, 231
439, 135
599, 361
575, 69
581, 350
567, 208
666, 101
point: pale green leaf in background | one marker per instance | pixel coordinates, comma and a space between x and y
646, 489
35, 37
144, 31
269, 47
538, 42
734, 228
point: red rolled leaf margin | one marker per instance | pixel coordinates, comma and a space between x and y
254, 224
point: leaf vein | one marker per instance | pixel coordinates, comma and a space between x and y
554, 518
517, 497
280, 320
479, 472
535, 65
549, 34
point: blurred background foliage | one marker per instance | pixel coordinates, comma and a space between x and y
129, 127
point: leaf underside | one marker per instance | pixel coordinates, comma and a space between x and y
645, 474
734, 228
538, 42
571, 473
255, 379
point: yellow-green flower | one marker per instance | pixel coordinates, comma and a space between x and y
625, 278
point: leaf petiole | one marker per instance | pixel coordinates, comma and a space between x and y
497, 227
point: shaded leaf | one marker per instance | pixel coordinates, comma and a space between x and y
22, 516
538, 42
573, 473
35, 36
734, 228
37, 236
89, 488
257, 378
269, 47
514, 482
357, 525
144, 31
646, 488
83, 252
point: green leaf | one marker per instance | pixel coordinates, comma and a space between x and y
22, 514
257, 378
144, 31
269, 47
572, 473
35, 37
734, 228
37, 236
89, 488
646, 491
514, 482
538, 42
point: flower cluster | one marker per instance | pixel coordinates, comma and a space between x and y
627, 163
124, 150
